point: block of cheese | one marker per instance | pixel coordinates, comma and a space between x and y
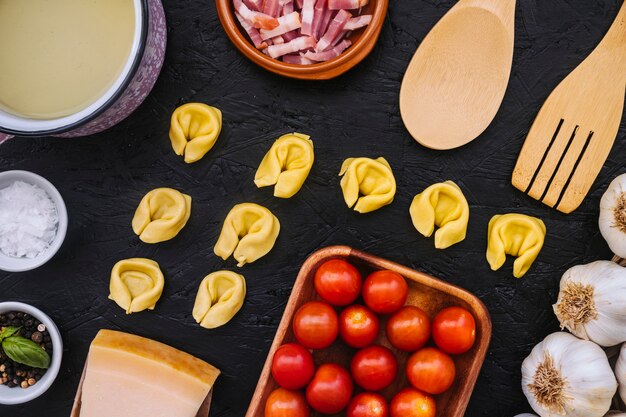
131, 376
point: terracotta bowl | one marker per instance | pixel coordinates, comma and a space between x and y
425, 291
363, 41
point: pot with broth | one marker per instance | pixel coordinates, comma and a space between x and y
76, 67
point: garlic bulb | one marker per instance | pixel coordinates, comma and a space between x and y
567, 377
612, 220
592, 302
620, 372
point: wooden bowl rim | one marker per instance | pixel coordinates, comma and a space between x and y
323, 70
485, 325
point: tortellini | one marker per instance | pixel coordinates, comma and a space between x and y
517, 235
161, 214
442, 205
249, 232
286, 164
367, 182
194, 130
136, 284
220, 296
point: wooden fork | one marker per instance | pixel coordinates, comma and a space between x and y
574, 131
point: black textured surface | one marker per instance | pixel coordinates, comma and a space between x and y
102, 178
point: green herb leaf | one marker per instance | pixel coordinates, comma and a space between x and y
26, 352
8, 332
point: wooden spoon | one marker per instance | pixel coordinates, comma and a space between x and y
574, 131
456, 80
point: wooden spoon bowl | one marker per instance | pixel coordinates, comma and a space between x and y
363, 41
425, 292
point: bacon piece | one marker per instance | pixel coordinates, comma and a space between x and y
288, 7
334, 30
346, 4
307, 17
296, 45
271, 7
358, 22
297, 59
328, 15
256, 19
285, 24
252, 32
278, 40
254, 5
318, 17
289, 36
330, 54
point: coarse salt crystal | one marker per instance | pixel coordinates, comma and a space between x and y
28, 220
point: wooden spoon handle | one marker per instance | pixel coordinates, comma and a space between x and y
616, 36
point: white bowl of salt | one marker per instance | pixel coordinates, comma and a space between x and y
33, 221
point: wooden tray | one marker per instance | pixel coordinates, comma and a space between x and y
202, 412
425, 291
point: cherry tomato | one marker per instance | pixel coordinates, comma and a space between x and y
408, 329
315, 325
292, 366
285, 403
431, 370
374, 368
412, 403
330, 390
338, 282
454, 330
358, 326
385, 291
368, 404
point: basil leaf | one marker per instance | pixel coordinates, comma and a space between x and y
8, 332
26, 352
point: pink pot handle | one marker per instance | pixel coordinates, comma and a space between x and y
4, 137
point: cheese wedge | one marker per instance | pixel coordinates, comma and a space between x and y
131, 376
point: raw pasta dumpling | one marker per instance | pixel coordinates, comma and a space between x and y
161, 214
367, 184
136, 284
441, 205
517, 235
220, 296
286, 165
249, 232
194, 130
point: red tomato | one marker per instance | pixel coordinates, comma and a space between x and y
330, 390
408, 329
285, 403
358, 326
292, 366
315, 325
412, 403
338, 282
431, 370
368, 404
374, 368
385, 291
454, 330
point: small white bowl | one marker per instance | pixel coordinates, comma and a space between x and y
17, 395
12, 264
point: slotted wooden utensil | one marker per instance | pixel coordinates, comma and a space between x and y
455, 83
574, 131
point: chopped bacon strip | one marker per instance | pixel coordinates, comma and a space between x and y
296, 45
285, 24
318, 17
278, 40
307, 17
346, 4
334, 30
358, 22
254, 34
254, 5
271, 7
330, 54
257, 19
288, 7
297, 59
289, 36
